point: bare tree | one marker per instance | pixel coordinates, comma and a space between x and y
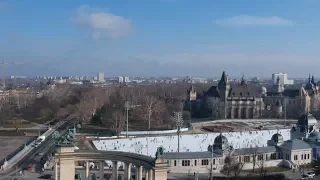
253, 151
261, 166
232, 164
150, 106
16, 124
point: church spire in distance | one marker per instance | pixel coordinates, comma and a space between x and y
224, 79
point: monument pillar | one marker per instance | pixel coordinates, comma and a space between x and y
127, 171
56, 171
150, 174
66, 165
101, 170
160, 168
87, 170
147, 175
114, 170
138, 172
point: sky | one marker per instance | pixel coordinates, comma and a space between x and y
197, 38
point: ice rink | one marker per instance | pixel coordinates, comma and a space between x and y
188, 142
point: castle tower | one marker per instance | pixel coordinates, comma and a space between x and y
278, 108
278, 88
224, 87
192, 94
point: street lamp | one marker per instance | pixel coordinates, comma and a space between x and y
127, 107
177, 116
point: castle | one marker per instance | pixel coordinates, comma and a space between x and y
246, 101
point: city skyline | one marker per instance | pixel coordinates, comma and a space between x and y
159, 38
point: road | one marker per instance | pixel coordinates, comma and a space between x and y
32, 158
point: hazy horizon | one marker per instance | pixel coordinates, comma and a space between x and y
160, 38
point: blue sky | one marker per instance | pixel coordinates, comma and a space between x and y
160, 37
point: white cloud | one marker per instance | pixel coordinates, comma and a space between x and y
245, 20
103, 24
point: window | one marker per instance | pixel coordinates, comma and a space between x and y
175, 163
287, 157
246, 158
239, 158
273, 156
305, 156
260, 157
185, 162
295, 157
308, 156
195, 162
301, 156
214, 161
266, 156
204, 162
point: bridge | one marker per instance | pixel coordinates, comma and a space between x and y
66, 158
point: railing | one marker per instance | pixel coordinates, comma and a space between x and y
21, 152
20, 148
153, 132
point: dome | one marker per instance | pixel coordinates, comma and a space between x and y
221, 141
278, 138
314, 136
263, 90
306, 120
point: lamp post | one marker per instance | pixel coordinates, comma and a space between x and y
177, 116
127, 107
285, 112
211, 169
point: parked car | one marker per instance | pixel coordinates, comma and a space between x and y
304, 177
311, 174
46, 176
40, 154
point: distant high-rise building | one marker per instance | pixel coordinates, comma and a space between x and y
120, 79
100, 77
283, 79
126, 79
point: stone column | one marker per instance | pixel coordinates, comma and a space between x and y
150, 174
160, 169
66, 165
232, 113
114, 170
127, 171
247, 113
139, 172
87, 170
101, 170
146, 175
56, 169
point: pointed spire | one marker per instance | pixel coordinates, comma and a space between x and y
309, 78
191, 88
312, 80
224, 79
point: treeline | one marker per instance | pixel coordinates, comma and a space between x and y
151, 106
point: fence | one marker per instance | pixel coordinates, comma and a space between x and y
153, 132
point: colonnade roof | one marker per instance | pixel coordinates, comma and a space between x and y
97, 155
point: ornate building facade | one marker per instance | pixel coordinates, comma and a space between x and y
229, 101
244, 101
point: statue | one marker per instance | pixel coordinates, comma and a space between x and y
159, 152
